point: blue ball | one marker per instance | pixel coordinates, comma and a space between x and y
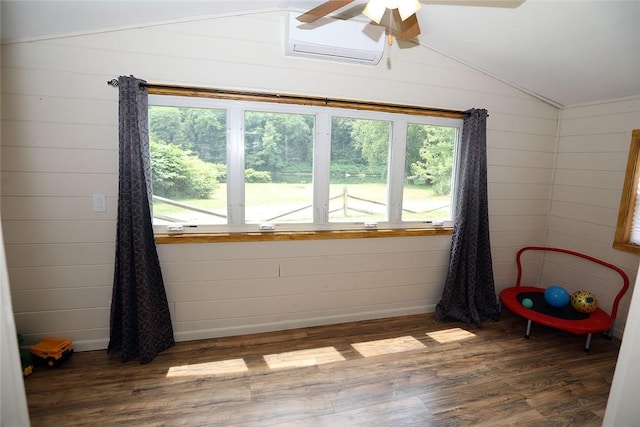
556, 296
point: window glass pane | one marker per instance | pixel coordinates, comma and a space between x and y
278, 167
634, 234
255, 162
188, 165
358, 170
428, 172
627, 236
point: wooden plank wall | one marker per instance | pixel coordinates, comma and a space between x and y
593, 146
59, 136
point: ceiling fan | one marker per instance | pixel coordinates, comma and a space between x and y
403, 21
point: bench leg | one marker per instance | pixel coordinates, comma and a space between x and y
528, 331
588, 343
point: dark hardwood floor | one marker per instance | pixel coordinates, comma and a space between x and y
404, 371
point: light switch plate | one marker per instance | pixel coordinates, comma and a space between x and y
99, 203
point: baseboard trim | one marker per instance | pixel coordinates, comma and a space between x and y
102, 344
90, 345
299, 323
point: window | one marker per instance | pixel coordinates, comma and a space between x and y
359, 170
627, 237
225, 166
278, 174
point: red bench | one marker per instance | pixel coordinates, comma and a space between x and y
580, 324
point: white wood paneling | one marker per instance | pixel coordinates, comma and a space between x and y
43, 208
518, 158
64, 276
515, 191
593, 146
588, 196
572, 227
610, 180
60, 135
61, 321
611, 124
37, 255
520, 142
302, 266
597, 161
517, 223
47, 184
60, 143
521, 175
584, 212
37, 159
61, 299
239, 288
520, 207
608, 142
58, 110
222, 270
43, 232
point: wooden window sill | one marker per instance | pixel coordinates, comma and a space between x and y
298, 235
627, 247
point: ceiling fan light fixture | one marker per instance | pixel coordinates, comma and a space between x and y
375, 10
406, 8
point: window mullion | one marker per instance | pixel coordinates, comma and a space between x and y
235, 167
397, 155
321, 161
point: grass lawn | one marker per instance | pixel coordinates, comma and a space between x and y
262, 202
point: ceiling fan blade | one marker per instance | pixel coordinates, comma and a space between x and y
323, 10
407, 29
510, 4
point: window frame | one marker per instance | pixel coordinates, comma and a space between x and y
627, 214
236, 103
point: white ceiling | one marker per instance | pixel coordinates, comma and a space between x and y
566, 51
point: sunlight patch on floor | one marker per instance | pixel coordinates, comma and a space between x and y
301, 358
222, 367
388, 346
318, 356
450, 335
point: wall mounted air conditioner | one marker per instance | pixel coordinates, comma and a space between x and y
335, 40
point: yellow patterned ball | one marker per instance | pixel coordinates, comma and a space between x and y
584, 301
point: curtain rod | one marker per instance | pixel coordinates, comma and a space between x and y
162, 89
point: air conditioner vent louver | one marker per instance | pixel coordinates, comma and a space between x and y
337, 40
335, 52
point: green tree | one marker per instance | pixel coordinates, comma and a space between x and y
278, 142
342, 150
436, 159
165, 123
270, 155
199, 130
203, 131
371, 137
416, 136
177, 174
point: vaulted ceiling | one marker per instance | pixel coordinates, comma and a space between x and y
565, 51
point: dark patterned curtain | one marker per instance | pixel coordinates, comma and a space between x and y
469, 293
140, 319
